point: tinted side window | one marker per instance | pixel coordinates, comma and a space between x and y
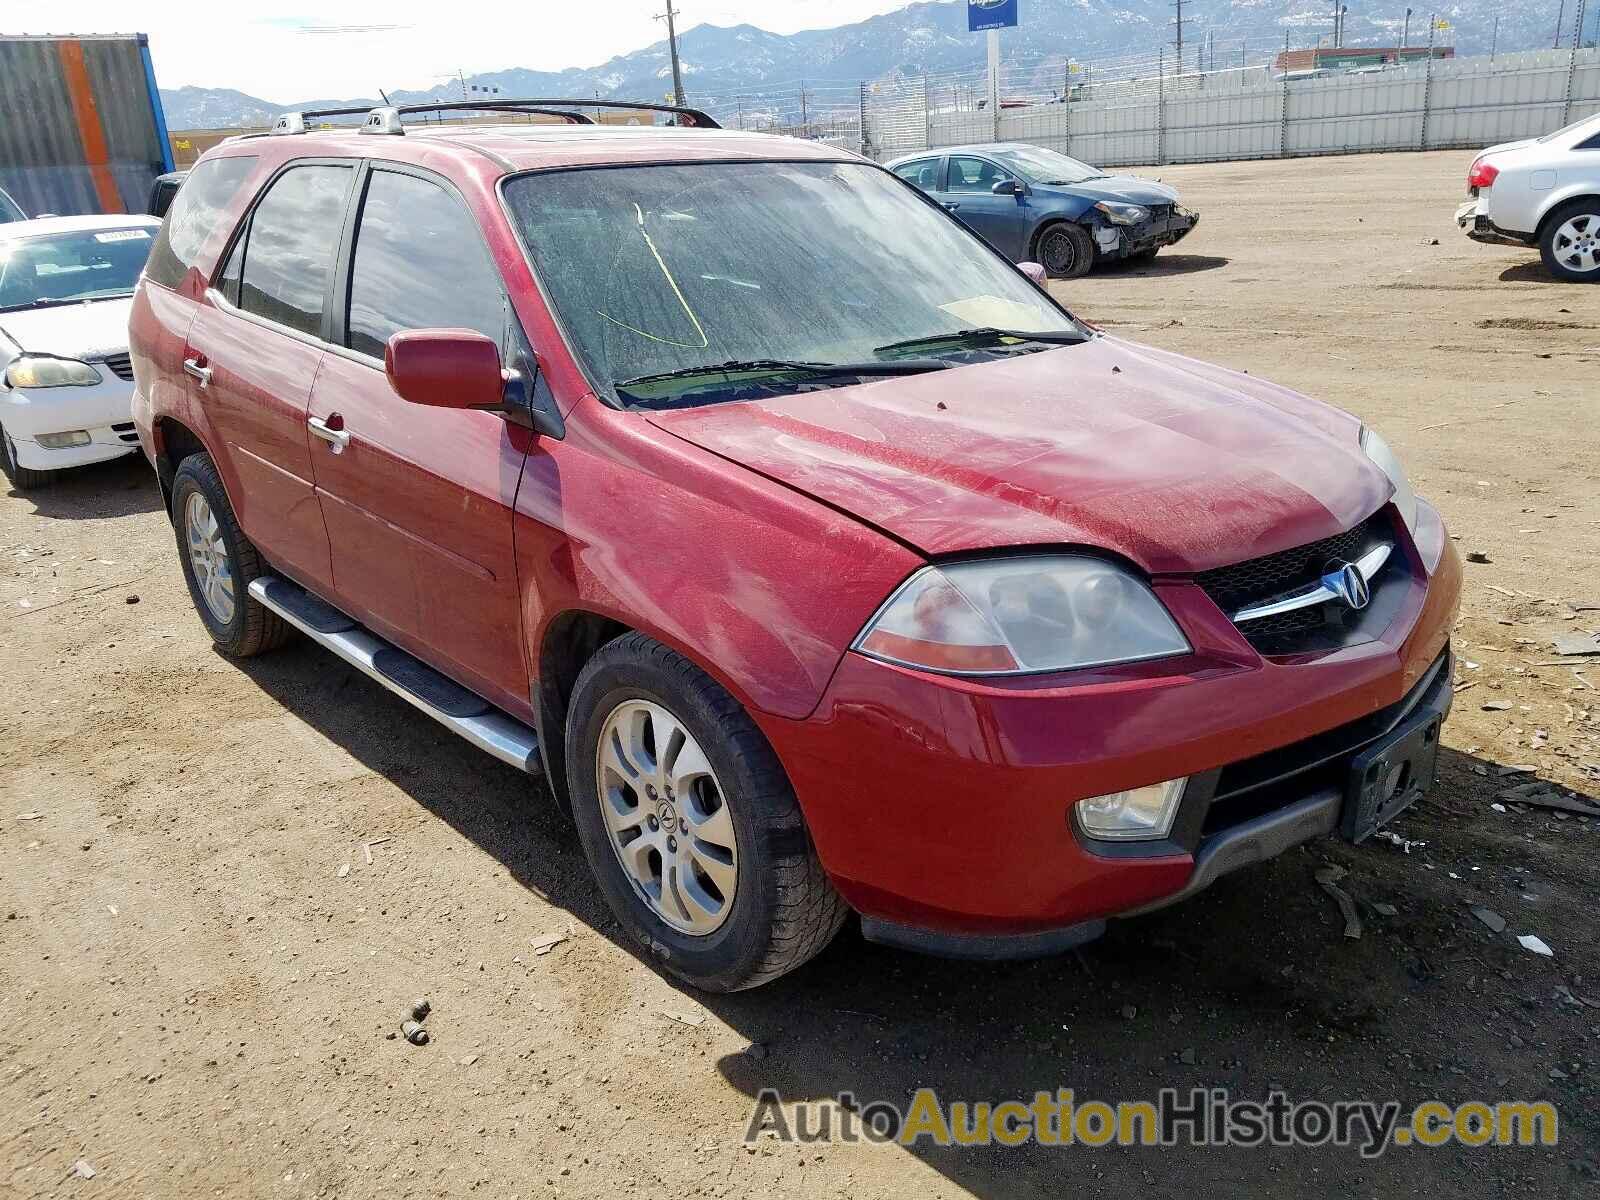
1589, 143
924, 173
419, 264
195, 211
294, 235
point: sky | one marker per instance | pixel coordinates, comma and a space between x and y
286, 53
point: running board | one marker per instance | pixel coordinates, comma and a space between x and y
446, 701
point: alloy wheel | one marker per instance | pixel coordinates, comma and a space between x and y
1577, 243
208, 555
667, 817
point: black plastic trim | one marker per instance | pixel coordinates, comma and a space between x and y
980, 947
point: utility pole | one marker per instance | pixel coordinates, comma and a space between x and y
1178, 23
1561, 16
1494, 38
1405, 31
803, 121
672, 44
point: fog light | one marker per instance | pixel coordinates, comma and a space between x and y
64, 441
1138, 814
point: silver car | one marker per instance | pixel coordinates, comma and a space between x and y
1542, 192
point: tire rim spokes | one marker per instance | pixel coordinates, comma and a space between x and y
1577, 243
667, 817
208, 555
1058, 253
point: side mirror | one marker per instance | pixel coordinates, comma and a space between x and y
1007, 187
445, 368
1034, 271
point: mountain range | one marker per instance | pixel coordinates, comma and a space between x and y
720, 62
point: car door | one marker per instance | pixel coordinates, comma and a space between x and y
921, 173
418, 500
969, 193
254, 349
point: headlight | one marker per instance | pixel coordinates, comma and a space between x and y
1138, 814
1123, 214
41, 372
1404, 498
1018, 615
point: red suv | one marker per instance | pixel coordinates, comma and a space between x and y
818, 558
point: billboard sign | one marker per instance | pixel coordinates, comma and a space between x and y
990, 14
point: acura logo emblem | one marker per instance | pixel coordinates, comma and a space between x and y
1346, 582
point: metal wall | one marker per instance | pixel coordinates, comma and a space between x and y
81, 127
1246, 113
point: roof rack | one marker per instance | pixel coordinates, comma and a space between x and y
386, 119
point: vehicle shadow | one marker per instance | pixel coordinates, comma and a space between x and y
123, 487
1529, 272
1249, 987
1164, 264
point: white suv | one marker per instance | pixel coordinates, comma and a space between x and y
1542, 192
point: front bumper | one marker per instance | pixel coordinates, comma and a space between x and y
1158, 231
103, 409
1473, 222
941, 808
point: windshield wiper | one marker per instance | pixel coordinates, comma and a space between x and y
62, 301
986, 335
905, 366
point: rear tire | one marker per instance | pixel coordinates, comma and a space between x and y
1065, 250
23, 479
737, 897
219, 562
1570, 241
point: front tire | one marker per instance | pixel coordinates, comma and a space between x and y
689, 822
219, 562
23, 479
1065, 250
1570, 242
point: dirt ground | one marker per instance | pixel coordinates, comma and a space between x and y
200, 968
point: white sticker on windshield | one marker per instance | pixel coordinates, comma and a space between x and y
123, 235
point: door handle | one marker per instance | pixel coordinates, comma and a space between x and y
193, 367
331, 431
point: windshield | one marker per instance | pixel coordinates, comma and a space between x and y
85, 264
657, 270
1038, 165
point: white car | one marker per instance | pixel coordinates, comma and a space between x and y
1542, 192
66, 385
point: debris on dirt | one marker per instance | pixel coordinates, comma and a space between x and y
1533, 942
1499, 808
366, 847
1584, 605
1478, 556
1495, 922
543, 945
1129, 1012
1471, 683
29, 816
344, 869
415, 1033
1328, 879
1576, 644
466, 1060
693, 1020
1394, 839
1518, 769
1497, 705
1384, 909
420, 1009
1187, 1056
1539, 794
83, 1170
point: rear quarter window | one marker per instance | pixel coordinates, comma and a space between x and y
194, 214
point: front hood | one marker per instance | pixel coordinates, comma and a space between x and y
1174, 464
90, 330
1126, 188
